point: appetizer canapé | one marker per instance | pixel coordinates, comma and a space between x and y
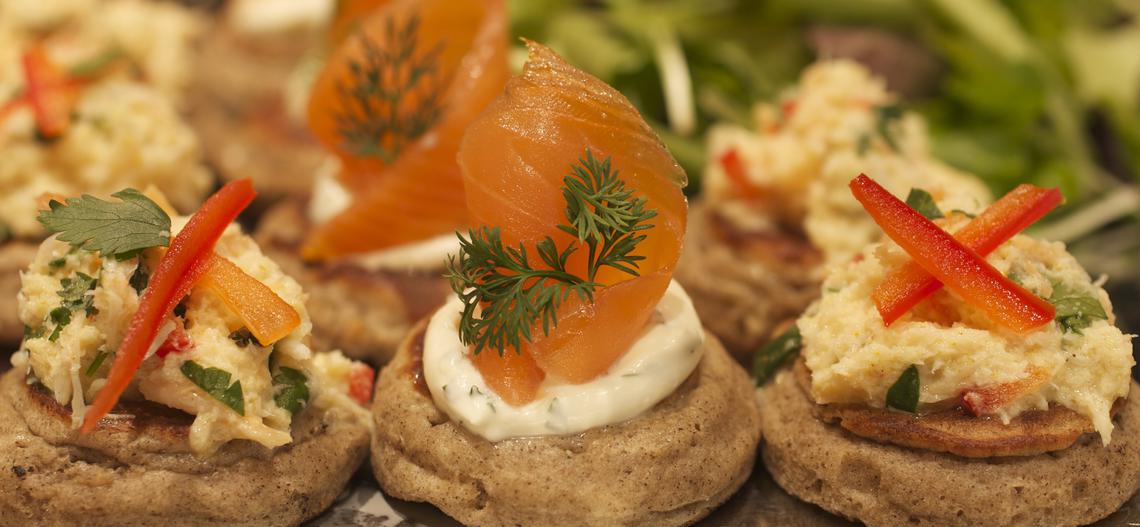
252, 78
775, 210
166, 376
391, 104
86, 105
973, 378
568, 381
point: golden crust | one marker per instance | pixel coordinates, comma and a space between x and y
670, 466
882, 484
137, 469
15, 256
745, 283
955, 430
365, 314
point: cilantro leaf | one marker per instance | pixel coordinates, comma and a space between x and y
775, 354
922, 202
216, 383
291, 390
115, 229
903, 394
1076, 310
61, 316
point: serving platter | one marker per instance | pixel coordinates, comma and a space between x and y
761, 503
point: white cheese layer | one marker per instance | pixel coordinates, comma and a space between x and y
331, 198
659, 362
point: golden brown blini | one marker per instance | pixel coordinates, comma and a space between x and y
745, 283
883, 485
670, 466
137, 469
364, 313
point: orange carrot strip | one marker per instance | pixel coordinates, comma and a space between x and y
959, 268
909, 284
177, 272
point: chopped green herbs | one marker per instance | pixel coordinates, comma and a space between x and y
885, 119
922, 202
216, 383
34, 333
97, 64
140, 278
243, 338
115, 229
775, 354
291, 390
61, 317
75, 292
1076, 310
903, 394
96, 362
58, 263
504, 295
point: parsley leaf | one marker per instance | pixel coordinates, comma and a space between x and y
1076, 310
921, 201
216, 383
74, 292
775, 354
61, 316
292, 390
115, 229
885, 118
903, 394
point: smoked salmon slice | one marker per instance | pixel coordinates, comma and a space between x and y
514, 158
392, 103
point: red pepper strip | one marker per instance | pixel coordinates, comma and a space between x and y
959, 268
178, 342
734, 169
909, 284
360, 381
46, 90
177, 272
982, 400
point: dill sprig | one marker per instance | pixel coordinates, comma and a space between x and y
378, 118
504, 295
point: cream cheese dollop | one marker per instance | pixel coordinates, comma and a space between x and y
657, 363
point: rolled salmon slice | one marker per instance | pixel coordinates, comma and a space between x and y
514, 159
392, 103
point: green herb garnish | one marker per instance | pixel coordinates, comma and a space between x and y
376, 118
903, 394
291, 390
243, 338
58, 263
922, 202
74, 292
140, 278
504, 295
61, 317
775, 354
216, 383
885, 119
95, 65
115, 229
96, 362
1076, 310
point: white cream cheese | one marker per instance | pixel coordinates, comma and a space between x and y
656, 364
331, 198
